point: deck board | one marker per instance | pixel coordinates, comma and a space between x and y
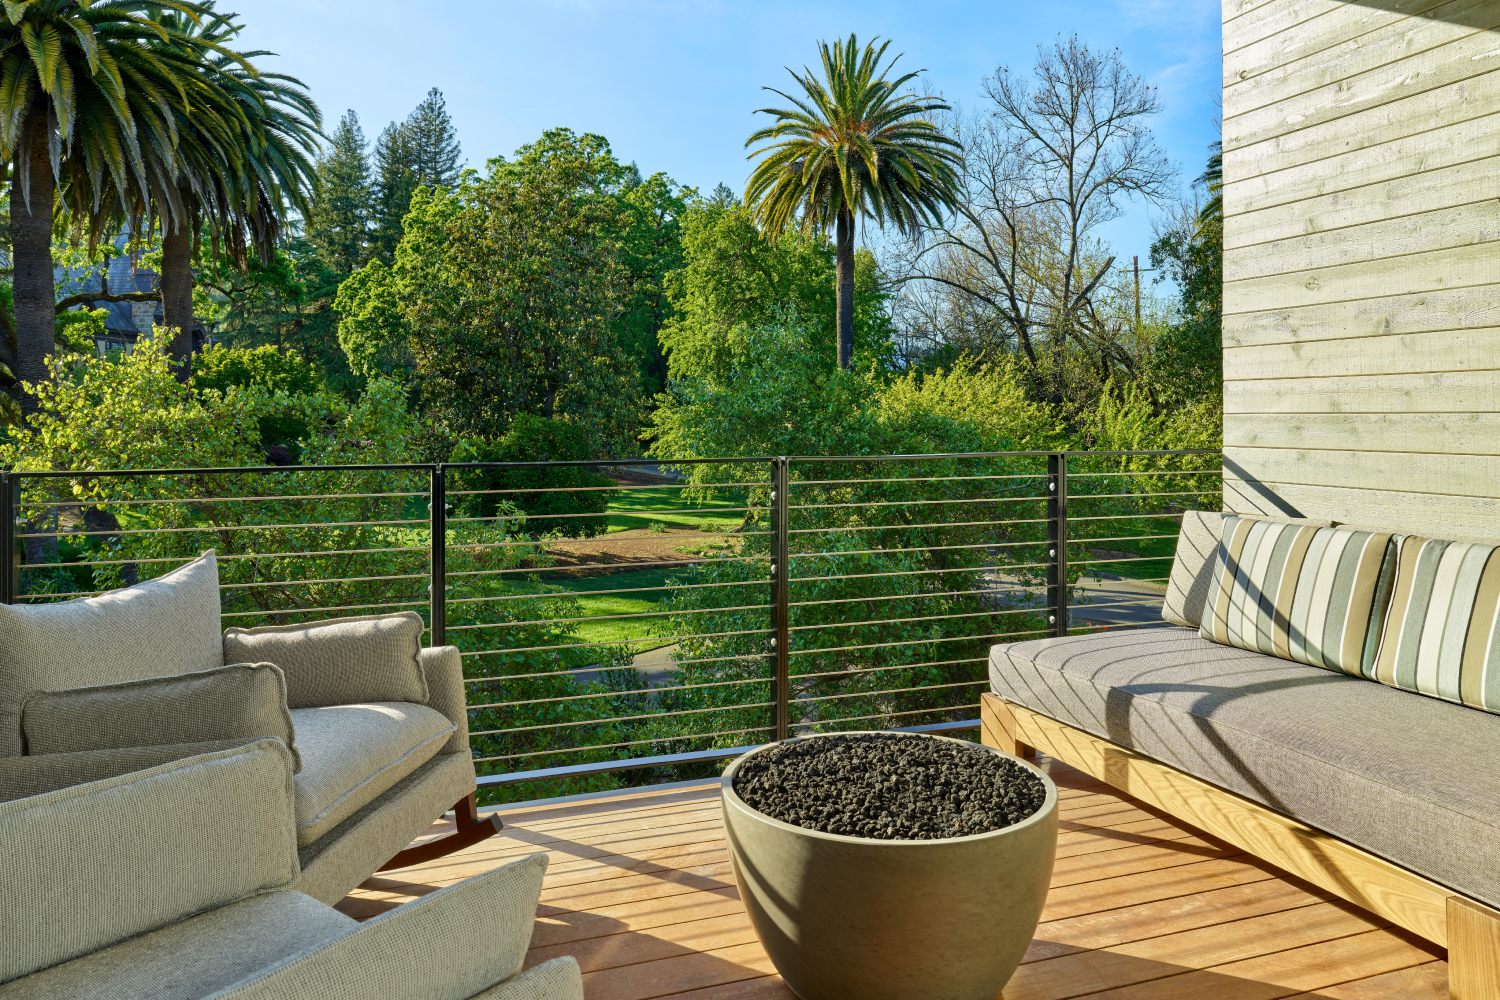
1142, 907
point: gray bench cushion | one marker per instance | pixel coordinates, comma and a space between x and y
1409, 778
353, 753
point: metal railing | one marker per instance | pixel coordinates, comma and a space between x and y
618, 623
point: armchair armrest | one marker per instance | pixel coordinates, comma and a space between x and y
93, 864
450, 945
443, 668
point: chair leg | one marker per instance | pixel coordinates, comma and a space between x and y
1473, 950
469, 829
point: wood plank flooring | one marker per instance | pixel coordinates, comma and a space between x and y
640, 891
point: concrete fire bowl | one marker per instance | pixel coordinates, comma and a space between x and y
854, 918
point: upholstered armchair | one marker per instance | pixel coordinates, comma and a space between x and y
375, 725
178, 882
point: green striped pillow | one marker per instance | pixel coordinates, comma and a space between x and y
1442, 635
1299, 592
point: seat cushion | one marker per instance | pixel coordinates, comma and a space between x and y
1409, 778
169, 625
194, 958
353, 753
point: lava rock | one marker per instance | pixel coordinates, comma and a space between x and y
888, 786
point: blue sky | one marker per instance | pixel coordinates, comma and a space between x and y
673, 85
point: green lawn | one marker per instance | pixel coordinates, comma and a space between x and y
1158, 550
637, 508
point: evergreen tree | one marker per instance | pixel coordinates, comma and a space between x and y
395, 182
340, 217
434, 143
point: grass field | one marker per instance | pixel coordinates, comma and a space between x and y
638, 507
1152, 556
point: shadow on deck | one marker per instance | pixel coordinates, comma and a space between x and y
641, 892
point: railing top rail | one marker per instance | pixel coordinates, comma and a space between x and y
586, 463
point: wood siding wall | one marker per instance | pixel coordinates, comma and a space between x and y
1362, 262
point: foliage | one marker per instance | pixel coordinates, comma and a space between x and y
340, 218
506, 294
77, 328
575, 498
734, 277
421, 151
220, 367
852, 146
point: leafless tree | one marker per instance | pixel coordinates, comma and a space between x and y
1048, 159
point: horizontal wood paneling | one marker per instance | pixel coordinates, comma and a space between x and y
1249, 21
1476, 97
1444, 228
1342, 27
1413, 472
1464, 517
1390, 161
1412, 56
1388, 210
1466, 311
1450, 267
1450, 63
1427, 392
1458, 434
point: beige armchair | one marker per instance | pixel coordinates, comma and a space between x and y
106, 893
376, 725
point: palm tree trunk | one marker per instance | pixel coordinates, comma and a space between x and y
177, 294
31, 248
846, 286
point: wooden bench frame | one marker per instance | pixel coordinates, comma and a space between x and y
1469, 929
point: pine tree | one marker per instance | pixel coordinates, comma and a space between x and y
340, 217
395, 182
434, 142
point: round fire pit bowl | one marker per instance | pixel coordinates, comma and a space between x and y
873, 918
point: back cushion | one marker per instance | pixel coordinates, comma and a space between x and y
1312, 595
169, 625
342, 661
1193, 564
1442, 633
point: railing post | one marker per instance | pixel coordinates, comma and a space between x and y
438, 525
8, 489
781, 482
1057, 542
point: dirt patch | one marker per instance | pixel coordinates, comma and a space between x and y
638, 548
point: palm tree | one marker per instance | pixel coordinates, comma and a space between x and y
80, 86
852, 145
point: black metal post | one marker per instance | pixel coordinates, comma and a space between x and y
781, 484
8, 489
438, 525
1057, 542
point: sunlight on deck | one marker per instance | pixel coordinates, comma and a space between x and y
640, 891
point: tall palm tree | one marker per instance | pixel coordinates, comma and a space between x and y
240, 190
79, 85
853, 145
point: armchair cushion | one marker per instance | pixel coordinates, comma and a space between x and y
242, 701
89, 866
169, 625
192, 958
449, 945
24, 776
343, 661
353, 753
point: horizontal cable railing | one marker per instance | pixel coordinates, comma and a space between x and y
612, 621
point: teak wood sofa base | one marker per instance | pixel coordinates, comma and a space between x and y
1469, 929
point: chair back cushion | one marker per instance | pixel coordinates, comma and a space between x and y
87, 866
343, 661
169, 625
1193, 564
240, 701
1442, 632
1312, 595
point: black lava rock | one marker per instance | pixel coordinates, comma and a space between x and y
888, 786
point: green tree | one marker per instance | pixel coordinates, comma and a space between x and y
554, 500
95, 82
339, 226
852, 145
735, 278
433, 141
1187, 360
395, 181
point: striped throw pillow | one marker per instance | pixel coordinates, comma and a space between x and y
1299, 592
1442, 635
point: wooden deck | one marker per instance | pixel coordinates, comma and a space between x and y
640, 891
